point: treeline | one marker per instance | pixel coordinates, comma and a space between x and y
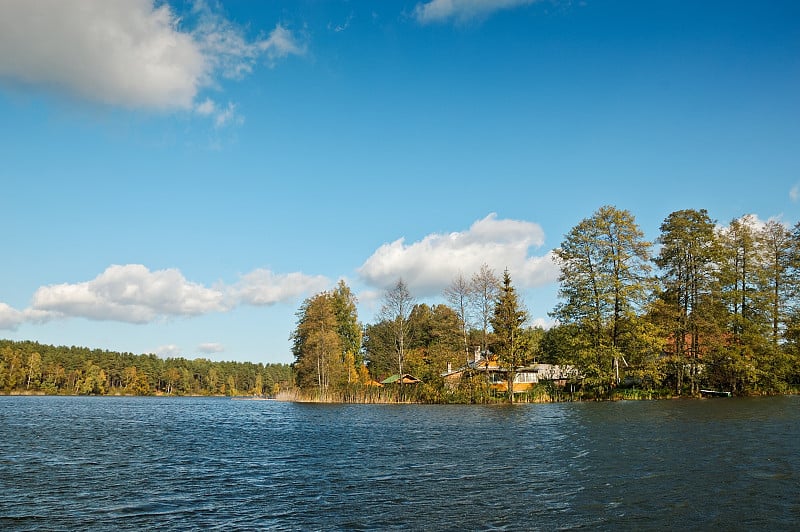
703, 306
30, 367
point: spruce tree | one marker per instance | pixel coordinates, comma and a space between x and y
507, 321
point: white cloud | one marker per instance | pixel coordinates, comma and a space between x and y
130, 293
168, 351
133, 294
794, 193
118, 52
429, 265
263, 287
228, 116
222, 116
230, 52
206, 108
544, 323
752, 221
211, 347
130, 53
280, 44
462, 11
10, 318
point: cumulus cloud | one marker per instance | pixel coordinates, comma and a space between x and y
263, 287
462, 11
431, 264
10, 318
167, 351
211, 347
794, 193
753, 222
130, 53
119, 52
750, 220
130, 293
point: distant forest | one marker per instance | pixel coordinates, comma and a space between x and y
33, 368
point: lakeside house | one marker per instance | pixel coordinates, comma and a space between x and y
525, 378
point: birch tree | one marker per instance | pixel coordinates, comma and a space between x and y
458, 295
396, 311
485, 287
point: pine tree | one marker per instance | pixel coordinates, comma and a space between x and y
507, 321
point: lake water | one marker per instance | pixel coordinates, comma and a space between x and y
95, 463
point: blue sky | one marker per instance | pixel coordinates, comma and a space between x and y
178, 176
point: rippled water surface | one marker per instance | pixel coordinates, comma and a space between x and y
197, 463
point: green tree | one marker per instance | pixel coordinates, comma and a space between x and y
396, 311
258, 387
348, 328
435, 339
776, 249
34, 372
458, 294
231, 389
171, 376
741, 278
485, 286
507, 321
94, 380
14, 370
687, 262
379, 349
317, 346
792, 333
604, 283
135, 381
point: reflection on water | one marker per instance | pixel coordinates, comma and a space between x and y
111, 463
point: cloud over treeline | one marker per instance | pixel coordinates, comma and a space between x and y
429, 265
132, 293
